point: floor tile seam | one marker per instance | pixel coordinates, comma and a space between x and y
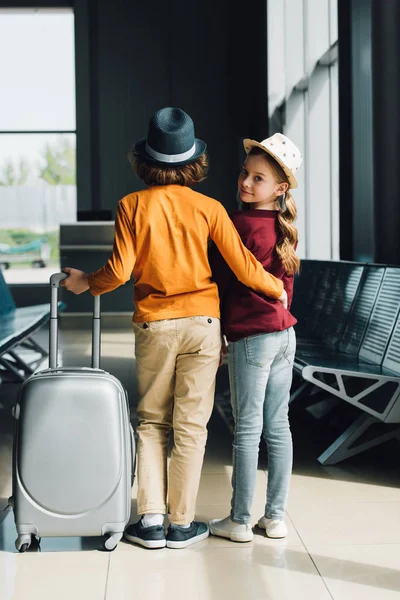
107, 577
310, 557
225, 504
243, 545
215, 474
296, 530
307, 547
230, 545
356, 545
320, 574
325, 502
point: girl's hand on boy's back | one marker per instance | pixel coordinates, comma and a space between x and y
283, 299
76, 282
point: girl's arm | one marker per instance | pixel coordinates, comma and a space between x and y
245, 266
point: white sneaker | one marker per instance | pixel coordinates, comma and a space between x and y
274, 528
226, 528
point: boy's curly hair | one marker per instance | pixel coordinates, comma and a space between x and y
156, 174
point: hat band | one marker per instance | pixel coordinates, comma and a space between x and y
170, 158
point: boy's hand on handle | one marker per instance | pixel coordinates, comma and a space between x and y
76, 282
283, 299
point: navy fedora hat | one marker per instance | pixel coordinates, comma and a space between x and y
170, 139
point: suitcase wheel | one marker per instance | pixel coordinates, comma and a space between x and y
110, 541
23, 542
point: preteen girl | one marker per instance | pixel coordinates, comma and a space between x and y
260, 335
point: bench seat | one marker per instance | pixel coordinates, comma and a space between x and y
17, 324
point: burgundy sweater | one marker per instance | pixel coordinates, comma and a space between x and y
243, 311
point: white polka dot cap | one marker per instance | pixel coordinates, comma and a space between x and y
283, 150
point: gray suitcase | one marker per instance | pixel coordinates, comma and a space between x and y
74, 448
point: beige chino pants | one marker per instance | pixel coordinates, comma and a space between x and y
176, 363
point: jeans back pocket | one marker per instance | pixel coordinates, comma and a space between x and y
261, 349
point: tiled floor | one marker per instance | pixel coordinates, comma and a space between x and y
344, 523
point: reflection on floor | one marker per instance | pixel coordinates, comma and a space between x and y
344, 522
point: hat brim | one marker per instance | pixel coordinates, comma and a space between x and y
249, 144
200, 148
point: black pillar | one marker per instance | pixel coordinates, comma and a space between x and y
356, 168
369, 129
246, 75
386, 128
362, 132
345, 129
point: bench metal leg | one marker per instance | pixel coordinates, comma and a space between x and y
12, 362
321, 409
383, 389
20, 363
300, 391
8, 365
314, 400
32, 345
345, 445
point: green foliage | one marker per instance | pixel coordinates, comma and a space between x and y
12, 175
59, 163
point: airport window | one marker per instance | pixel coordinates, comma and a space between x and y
303, 104
37, 140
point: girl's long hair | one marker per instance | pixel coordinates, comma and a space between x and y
287, 235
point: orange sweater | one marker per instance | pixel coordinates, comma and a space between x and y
161, 238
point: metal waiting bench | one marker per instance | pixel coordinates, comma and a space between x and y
348, 349
16, 328
349, 346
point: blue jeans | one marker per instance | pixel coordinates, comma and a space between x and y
260, 374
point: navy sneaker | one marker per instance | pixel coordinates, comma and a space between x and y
148, 537
181, 537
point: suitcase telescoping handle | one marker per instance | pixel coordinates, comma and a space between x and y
55, 280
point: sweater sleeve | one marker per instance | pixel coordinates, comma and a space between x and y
119, 267
247, 269
221, 273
